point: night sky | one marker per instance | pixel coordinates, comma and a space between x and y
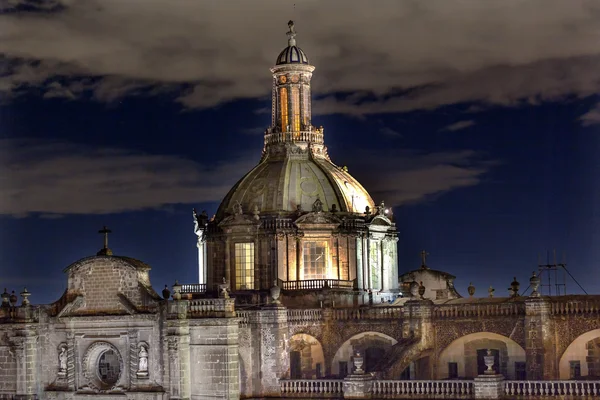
479, 122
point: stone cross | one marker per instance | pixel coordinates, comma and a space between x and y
105, 231
424, 255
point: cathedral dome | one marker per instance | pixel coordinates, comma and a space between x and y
285, 184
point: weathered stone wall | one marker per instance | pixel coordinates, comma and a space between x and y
214, 358
8, 368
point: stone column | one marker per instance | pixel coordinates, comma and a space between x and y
178, 351
275, 358
539, 346
25, 348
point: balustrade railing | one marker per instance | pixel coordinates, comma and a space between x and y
206, 308
314, 314
243, 316
346, 314
430, 389
300, 136
318, 284
551, 388
311, 388
193, 288
277, 223
477, 310
574, 307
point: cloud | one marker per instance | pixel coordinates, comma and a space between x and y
591, 117
398, 56
457, 126
409, 177
57, 178
387, 131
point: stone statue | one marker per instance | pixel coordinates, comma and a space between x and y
317, 205
143, 359
62, 360
237, 208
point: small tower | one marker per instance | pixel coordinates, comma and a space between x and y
291, 110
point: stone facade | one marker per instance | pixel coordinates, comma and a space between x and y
298, 278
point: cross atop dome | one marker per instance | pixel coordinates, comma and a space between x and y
105, 251
291, 34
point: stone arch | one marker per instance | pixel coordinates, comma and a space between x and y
307, 360
464, 352
371, 346
584, 351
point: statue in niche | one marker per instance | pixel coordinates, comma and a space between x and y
62, 361
143, 361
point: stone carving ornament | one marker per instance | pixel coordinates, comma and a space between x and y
143, 360
90, 364
62, 360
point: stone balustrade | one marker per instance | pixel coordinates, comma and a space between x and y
551, 388
300, 136
308, 315
244, 317
204, 308
478, 310
348, 314
442, 389
405, 389
313, 284
311, 388
559, 307
193, 288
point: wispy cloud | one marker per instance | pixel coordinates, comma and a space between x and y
409, 176
457, 126
58, 178
387, 131
499, 53
51, 179
591, 117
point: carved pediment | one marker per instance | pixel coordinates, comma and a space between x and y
324, 219
238, 220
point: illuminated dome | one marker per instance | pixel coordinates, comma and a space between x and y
298, 179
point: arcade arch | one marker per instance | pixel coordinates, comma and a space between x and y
371, 345
306, 357
463, 358
582, 357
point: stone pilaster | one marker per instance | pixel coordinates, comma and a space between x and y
178, 352
417, 321
539, 340
273, 349
25, 348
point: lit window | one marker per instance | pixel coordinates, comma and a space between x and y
295, 109
283, 106
315, 260
244, 266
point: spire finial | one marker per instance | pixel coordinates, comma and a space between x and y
105, 251
424, 255
291, 34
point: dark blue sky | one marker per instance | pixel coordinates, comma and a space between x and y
489, 159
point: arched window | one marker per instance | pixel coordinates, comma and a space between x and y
315, 256
244, 266
283, 109
295, 109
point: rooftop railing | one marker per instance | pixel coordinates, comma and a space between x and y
312, 284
